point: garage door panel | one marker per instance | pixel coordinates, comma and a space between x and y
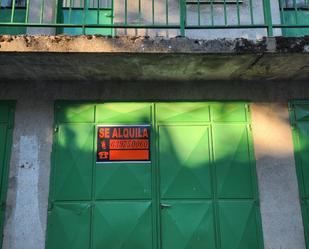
232, 161
115, 113
123, 181
4, 113
69, 226
3, 136
184, 161
303, 128
74, 162
75, 113
197, 192
188, 225
229, 112
301, 112
238, 224
183, 112
122, 224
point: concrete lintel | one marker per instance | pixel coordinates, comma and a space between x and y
90, 67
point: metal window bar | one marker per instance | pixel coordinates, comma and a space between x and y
167, 9
251, 12
225, 13
238, 12
166, 12
212, 12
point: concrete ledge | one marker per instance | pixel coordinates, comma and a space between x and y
28, 43
97, 58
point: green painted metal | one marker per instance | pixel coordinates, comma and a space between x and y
238, 224
268, 17
182, 14
198, 191
295, 12
19, 16
6, 132
233, 166
188, 224
74, 160
75, 17
299, 116
94, 16
126, 113
122, 224
69, 226
184, 161
292, 17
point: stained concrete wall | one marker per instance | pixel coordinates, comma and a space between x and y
277, 179
27, 199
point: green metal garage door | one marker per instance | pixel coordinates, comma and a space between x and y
299, 114
197, 191
6, 129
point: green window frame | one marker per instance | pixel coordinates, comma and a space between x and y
15, 11
6, 132
293, 12
88, 12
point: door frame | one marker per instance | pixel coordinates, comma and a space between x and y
7, 156
298, 167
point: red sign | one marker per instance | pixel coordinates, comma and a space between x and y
123, 143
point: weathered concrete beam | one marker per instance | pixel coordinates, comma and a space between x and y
97, 58
91, 67
137, 44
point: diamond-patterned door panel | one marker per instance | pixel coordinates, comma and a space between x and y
179, 112
238, 225
122, 225
198, 191
123, 113
229, 112
232, 161
184, 162
69, 226
72, 174
74, 113
123, 181
188, 225
303, 131
301, 112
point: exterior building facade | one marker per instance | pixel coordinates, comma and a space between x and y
154, 124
